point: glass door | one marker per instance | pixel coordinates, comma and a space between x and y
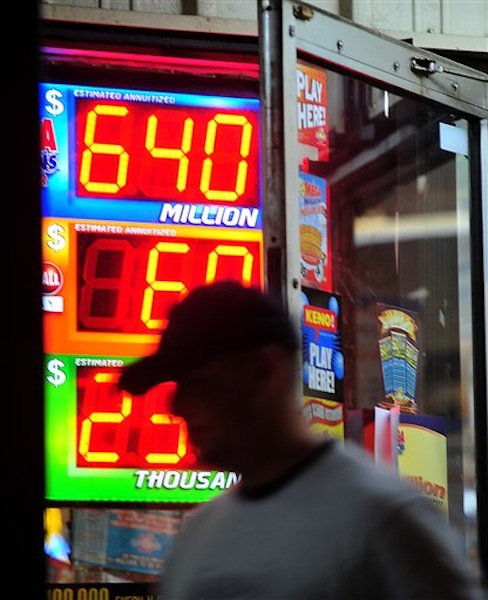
381, 164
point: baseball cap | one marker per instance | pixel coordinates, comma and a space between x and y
210, 321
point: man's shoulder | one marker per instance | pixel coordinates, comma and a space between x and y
203, 511
351, 469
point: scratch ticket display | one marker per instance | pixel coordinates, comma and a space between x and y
127, 540
399, 357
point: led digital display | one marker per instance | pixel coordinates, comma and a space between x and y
145, 195
104, 445
111, 285
115, 429
129, 284
119, 153
128, 149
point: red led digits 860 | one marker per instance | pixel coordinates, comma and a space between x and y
143, 151
129, 283
116, 430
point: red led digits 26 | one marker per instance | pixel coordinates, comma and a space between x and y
116, 430
132, 150
129, 283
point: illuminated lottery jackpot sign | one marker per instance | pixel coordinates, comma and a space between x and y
145, 195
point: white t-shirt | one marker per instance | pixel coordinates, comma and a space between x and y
337, 528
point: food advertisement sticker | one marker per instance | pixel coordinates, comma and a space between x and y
315, 256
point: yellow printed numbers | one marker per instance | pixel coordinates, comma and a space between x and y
81, 593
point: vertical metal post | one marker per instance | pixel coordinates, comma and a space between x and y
272, 145
23, 422
479, 229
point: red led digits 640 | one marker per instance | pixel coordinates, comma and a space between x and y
129, 283
136, 150
114, 429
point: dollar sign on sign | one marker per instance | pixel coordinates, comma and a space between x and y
58, 376
54, 106
57, 241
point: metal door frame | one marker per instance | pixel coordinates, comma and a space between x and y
287, 27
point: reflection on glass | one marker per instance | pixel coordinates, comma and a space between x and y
397, 173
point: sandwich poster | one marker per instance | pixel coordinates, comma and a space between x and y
315, 246
323, 361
